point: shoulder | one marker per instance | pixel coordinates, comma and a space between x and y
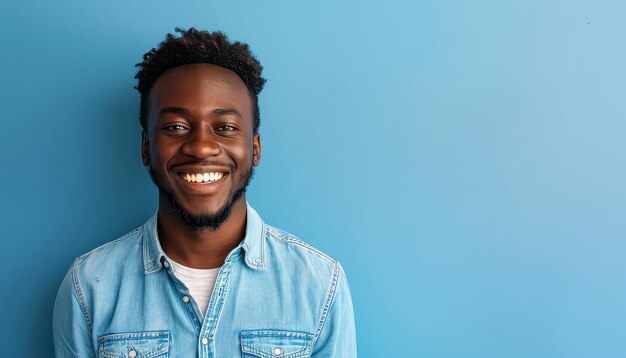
109, 262
281, 239
98, 272
307, 261
322, 276
109, 254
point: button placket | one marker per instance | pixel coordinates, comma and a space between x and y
214, 309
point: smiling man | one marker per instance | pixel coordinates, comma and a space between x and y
205, 276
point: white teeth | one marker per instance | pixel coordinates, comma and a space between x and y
203, 177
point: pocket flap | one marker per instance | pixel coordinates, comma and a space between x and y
275, 343
134, 345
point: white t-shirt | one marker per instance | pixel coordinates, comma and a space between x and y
200, 283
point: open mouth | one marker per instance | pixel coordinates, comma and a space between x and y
209, 177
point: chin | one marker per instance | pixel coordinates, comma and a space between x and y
204, 218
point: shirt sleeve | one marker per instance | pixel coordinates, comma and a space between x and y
337, 337
70, 327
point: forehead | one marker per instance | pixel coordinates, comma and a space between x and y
198, 88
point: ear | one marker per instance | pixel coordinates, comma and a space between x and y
145, 149
256, 149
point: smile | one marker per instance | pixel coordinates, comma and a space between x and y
202, 177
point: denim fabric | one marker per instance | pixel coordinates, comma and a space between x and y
275, 296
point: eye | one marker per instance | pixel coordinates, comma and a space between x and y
226, 128
174, 128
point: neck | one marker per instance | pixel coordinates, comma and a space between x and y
202, 249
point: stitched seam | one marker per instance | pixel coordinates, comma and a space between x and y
311, 248
111, 243
161, 338
146, 255
135, 335
264, 262
296, 241
275, 333
329, 301
307, 338
219, 304
127, 235
301, 353
150, 265
79, 292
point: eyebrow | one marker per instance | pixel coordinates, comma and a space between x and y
227, 111
185, 111
176, 110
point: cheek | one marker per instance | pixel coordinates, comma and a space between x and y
240, 153
161, 151
246, 154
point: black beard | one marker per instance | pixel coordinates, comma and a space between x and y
205, 221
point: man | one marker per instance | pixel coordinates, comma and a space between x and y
205, 276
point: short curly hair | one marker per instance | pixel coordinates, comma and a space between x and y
195, 46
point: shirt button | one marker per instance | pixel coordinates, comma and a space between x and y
132, 353
166, 264
258, 261
277, 351
186, 299
205, 341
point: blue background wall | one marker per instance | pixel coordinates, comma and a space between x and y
464, 160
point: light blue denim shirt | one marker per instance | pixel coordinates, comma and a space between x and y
275, 296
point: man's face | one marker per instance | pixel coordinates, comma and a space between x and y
200, 144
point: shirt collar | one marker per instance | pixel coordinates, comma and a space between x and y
253, 243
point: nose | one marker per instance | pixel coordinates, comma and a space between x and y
201, 144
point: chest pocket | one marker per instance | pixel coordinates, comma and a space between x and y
275, 344
134, 345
